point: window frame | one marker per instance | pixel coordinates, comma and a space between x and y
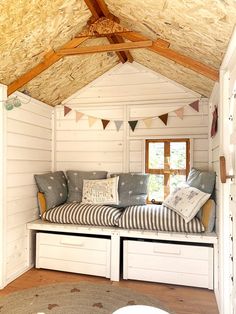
167, 172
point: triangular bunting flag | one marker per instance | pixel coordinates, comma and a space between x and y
180, 113
148, 122
91, 121
164, 118
104, 123
118, 124
66, 110
195, 105
78, 115
133, 124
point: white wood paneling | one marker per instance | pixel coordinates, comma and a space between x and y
28, 152
127, 92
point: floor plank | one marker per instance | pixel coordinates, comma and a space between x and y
182, 300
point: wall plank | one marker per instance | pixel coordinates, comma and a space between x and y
29, 133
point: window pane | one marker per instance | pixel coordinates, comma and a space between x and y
178, 155
176, 181
156, 156
156, 187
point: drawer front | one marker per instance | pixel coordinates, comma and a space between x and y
169, 263
74, 254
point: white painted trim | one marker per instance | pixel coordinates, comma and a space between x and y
53, 145
3, 96
230, 56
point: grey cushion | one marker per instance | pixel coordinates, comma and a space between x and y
202, 180
75, 182
132, 189
54, 187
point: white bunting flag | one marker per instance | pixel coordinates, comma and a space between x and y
91, 121
148, 122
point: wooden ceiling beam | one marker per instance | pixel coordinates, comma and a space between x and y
105, 48
94, 8
99, 8
177, 57
124, 55
49, 59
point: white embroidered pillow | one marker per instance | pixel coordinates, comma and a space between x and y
103, 191
186, 201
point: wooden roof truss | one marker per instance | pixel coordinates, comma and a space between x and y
104, 24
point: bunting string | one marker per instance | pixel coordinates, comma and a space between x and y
132, 123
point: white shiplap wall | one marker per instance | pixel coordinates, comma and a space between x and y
28, 151
214, 148
127, 92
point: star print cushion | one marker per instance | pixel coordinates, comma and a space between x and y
186, 201
202, 180
132, 188
54, 187
75, 182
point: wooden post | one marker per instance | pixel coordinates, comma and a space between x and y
3, 96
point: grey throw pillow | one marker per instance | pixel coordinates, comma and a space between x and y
132, 189
75, 182
54, 187
202, 180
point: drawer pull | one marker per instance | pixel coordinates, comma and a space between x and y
177, 252
63, 242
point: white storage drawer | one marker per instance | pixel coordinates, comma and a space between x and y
75, 254
179, 264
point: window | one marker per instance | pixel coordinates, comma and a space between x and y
168, 162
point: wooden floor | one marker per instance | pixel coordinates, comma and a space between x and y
182, 300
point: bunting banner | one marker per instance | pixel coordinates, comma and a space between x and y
148, 122
164, 118
133, 124
66, 110
118, 124
91, 120
105, 123
180, 113
78, 115
195, 105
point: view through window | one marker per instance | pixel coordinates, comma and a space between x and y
168, 163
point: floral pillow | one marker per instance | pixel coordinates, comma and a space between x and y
103, 191
186, 201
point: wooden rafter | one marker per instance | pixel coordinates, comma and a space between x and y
49, 59
105, 48
101, 10
177, 57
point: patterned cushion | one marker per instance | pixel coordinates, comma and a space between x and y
202, 180
54, 187
132, 189
83, 214
186, 201
75, 182
103, 191
157, 217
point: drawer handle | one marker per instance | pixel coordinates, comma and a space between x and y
165, 252
72, 244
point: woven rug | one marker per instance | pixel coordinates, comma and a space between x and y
71, 298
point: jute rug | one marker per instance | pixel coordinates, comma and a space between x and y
71, 298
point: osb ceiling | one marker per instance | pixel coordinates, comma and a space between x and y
29, 29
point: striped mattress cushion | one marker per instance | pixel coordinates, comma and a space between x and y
83, 214
157, 217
